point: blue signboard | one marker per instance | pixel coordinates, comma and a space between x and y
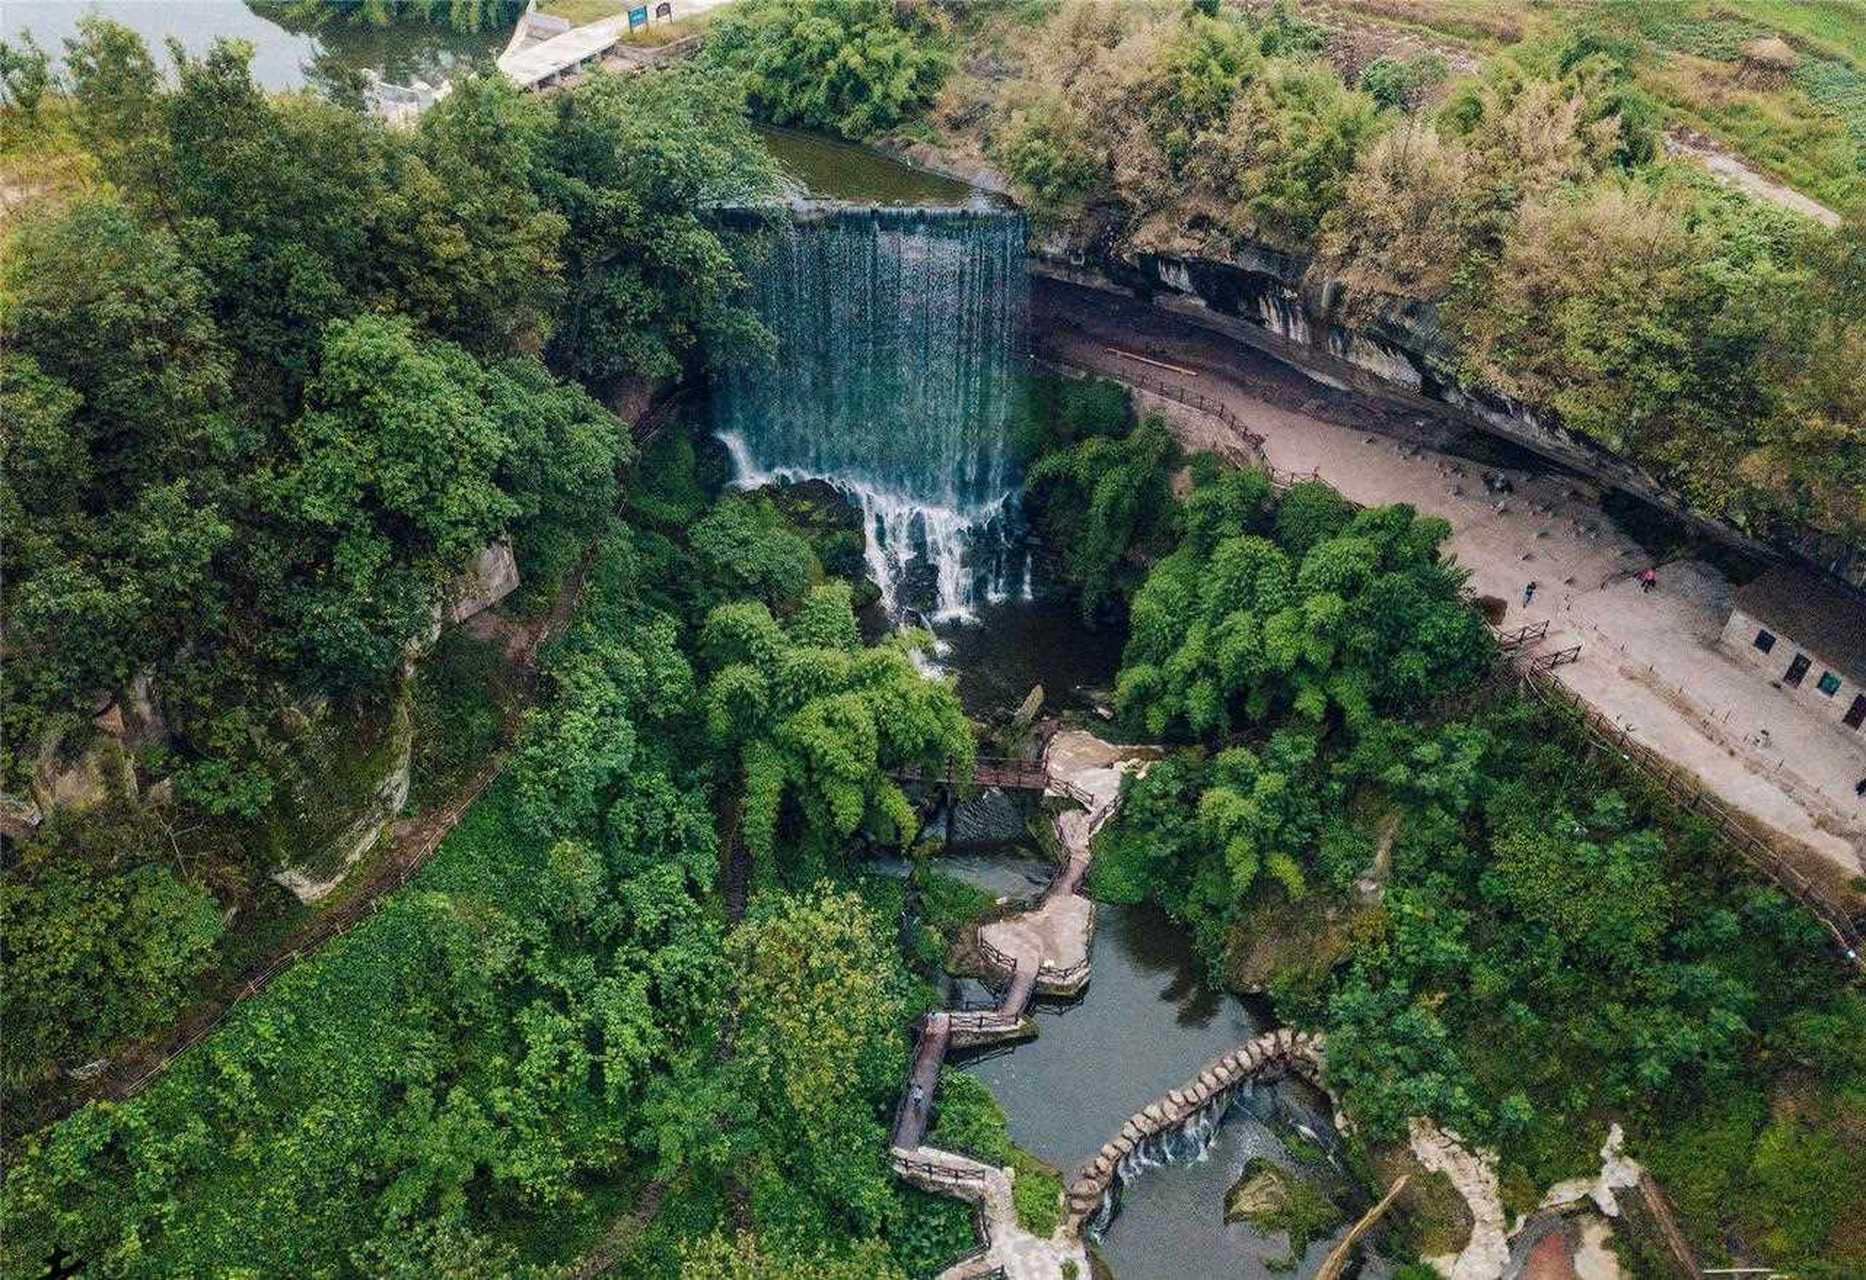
638, 17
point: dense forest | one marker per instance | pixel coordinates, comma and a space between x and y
1528, 203
276, 376
248, 455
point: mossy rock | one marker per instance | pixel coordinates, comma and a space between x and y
1277, 942
1430, 1218
347, 778
1272, 1198
1262, 1190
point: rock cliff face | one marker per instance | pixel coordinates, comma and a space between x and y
1262, 298
490, 578
355, 780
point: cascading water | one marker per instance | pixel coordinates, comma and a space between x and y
899, 336
1193, 1139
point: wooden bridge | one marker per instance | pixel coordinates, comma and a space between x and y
986, 771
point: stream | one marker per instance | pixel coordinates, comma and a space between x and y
1148, 1020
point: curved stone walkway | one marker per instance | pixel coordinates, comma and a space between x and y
1273, 1054
1046, 950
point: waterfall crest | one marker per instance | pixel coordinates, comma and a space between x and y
900, 333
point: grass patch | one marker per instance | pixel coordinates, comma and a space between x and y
581, 12
1484, 23
1832, 28
932, 1232
1037, 1191
968, 1120
948, 904
42, 162
1781, 131
656, 34
460, 695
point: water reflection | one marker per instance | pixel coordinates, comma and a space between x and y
282, 58
1146, 1025
832, 169
1018, 644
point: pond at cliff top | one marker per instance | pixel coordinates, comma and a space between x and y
830, 168
282, 58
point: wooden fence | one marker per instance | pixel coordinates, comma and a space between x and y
1522, 637
1178, 392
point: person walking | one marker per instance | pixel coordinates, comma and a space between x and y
919, 1095
1529, 592
1648, 579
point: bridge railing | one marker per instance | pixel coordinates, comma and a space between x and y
940, 1172
986, 771
998, 956
1065, 977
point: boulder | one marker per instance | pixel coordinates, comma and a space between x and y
1028, 709
325, 834
490, 578
1262, 1191
19, 816
98, 771
143, 723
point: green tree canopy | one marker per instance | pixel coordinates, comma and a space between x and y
1334, 613
815, 723
855, 66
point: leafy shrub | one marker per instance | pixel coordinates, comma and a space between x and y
458, 699
859, 67
1098, 499
101, 939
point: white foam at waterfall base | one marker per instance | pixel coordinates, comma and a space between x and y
898, 531
899, 336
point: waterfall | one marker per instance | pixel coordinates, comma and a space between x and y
899, 335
